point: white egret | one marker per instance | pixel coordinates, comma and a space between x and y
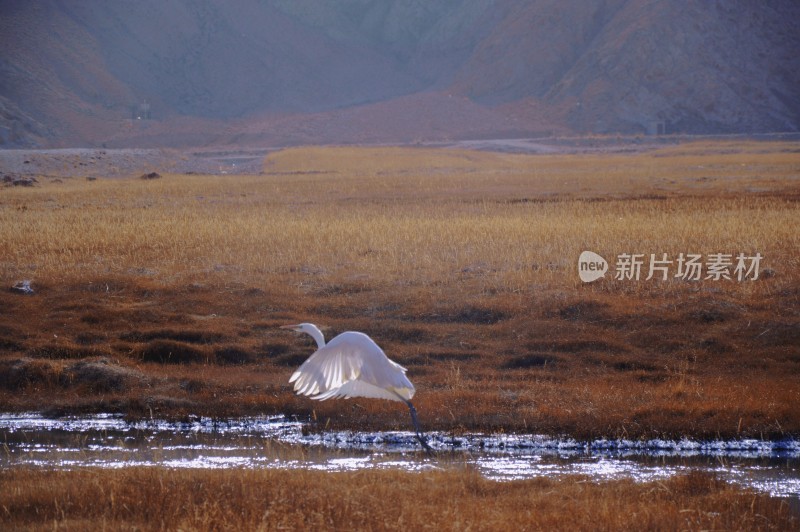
352, 365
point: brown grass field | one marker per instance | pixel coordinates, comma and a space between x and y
163, 297
162, 499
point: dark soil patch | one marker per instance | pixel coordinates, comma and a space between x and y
88, 339
293, 360
531, 361
450, 355
289, 356
171, 352
576, 346
7, 344
715, 345
475, 315
633, 365
585, 311
401, 334
187, 336
777, 334
233, 355
709, 315
271, 350
714, 312
441, 356
65, 351
341, 289
192, 385
623, 364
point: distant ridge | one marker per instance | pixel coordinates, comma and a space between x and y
148, 73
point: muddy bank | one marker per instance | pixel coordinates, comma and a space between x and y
100, 163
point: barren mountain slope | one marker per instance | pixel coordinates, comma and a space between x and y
279, 71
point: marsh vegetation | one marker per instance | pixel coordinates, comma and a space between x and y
163, 297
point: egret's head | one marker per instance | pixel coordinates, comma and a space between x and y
308, 328
300, 327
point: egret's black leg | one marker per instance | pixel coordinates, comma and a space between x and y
418, 432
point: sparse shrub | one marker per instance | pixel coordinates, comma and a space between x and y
65, 351
530, 361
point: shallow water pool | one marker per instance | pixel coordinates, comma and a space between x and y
107, 440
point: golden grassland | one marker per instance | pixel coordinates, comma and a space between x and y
334, 212
163, 297
162, 499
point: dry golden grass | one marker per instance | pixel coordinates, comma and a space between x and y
162, 499
506, 214
462, 265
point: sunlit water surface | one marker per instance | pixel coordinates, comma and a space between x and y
274, 442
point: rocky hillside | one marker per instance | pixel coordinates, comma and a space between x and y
188, 73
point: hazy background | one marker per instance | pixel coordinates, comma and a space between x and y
278, 72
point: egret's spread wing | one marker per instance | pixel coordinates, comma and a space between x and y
352, 365
326, 369
357, 388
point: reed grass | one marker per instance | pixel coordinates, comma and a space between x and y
164, 499
391, 215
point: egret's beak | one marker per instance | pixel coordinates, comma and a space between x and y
295, 327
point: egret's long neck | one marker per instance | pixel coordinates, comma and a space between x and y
317, 335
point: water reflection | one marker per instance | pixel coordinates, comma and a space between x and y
274, 442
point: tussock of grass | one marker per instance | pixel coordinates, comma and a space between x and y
160, 499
